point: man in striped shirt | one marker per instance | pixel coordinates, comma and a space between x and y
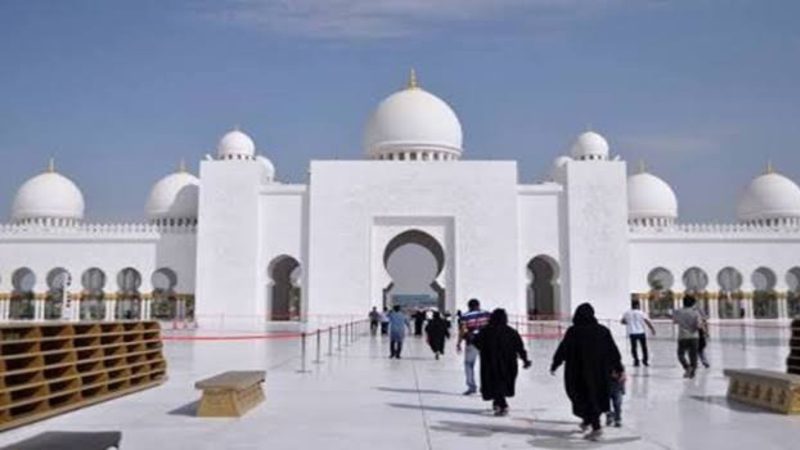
470, 324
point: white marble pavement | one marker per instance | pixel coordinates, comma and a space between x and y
358, 398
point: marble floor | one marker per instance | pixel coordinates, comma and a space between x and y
357, 398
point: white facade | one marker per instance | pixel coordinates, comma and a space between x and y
235, 247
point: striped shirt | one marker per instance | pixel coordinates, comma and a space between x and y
472, 322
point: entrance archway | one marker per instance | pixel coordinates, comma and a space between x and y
543, 287
57, 281
661, 297
730, 293
793, 296
695, 281
93, 297
21, 305
164, 305
414, 259
128, 297
285, 273
765, 299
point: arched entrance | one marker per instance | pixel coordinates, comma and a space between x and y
57, 281
286, 293
21, 305
730, 293
661, 299
414, 259
765, 299
164, 305
543, 287
695, 281
93, 297
793, 296
128, 297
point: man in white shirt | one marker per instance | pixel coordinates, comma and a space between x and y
634, 321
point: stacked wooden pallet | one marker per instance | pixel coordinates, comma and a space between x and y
793, 361
50, 368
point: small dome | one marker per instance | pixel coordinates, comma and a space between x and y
413, 121
769, 196
48, 195
558, 163
268, 167
174, 197
650, 197
590, 146
235, 144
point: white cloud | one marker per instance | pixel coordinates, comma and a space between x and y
376, 19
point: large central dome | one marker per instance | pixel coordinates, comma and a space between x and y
413, 124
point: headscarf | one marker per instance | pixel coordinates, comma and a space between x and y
584, 315
498, 317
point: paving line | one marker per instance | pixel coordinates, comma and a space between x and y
422, 407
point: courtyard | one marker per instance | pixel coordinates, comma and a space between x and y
357, 398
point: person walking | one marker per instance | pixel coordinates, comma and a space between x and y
374, 320
635, 320
617, 389
419, 321
688, 320
499, 346
437, 331
702, 339
398, 324
470, 324
385, 321
589, 354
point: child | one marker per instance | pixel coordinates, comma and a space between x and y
617, 390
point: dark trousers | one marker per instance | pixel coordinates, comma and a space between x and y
688, 346
641, 338
395, 347
384, 327
616, 392
373, 326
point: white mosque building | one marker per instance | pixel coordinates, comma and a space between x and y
236, 246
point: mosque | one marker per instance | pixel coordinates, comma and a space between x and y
236, 246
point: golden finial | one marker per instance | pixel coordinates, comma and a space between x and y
51, 165
770, 169
642, 166
412, 79
182, 166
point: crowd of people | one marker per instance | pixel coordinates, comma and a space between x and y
594, 376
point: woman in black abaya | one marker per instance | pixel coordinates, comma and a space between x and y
500, 346
589, 354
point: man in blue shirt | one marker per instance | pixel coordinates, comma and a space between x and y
470, 324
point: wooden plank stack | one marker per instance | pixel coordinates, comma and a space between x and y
50, 368
793, 361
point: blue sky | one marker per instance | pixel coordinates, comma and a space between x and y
119, 92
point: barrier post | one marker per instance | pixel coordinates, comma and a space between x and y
302, 353
339, 337
346, 334
319, 343
330, 341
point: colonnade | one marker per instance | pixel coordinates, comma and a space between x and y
70, 307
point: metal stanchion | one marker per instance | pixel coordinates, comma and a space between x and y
339, 337
319, 344
330, 341
346, 334
302, 353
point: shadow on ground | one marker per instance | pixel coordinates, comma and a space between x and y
541, 436
721, 400
189, 409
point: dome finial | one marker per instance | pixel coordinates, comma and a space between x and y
182, 166
412, 79
770, 168
642, 166
51, 165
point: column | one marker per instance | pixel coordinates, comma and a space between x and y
147, 301
111, 307
4, 307
713, 305
783, 305
38, 306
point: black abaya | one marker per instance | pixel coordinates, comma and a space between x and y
500, 346
590, 354
437, 332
